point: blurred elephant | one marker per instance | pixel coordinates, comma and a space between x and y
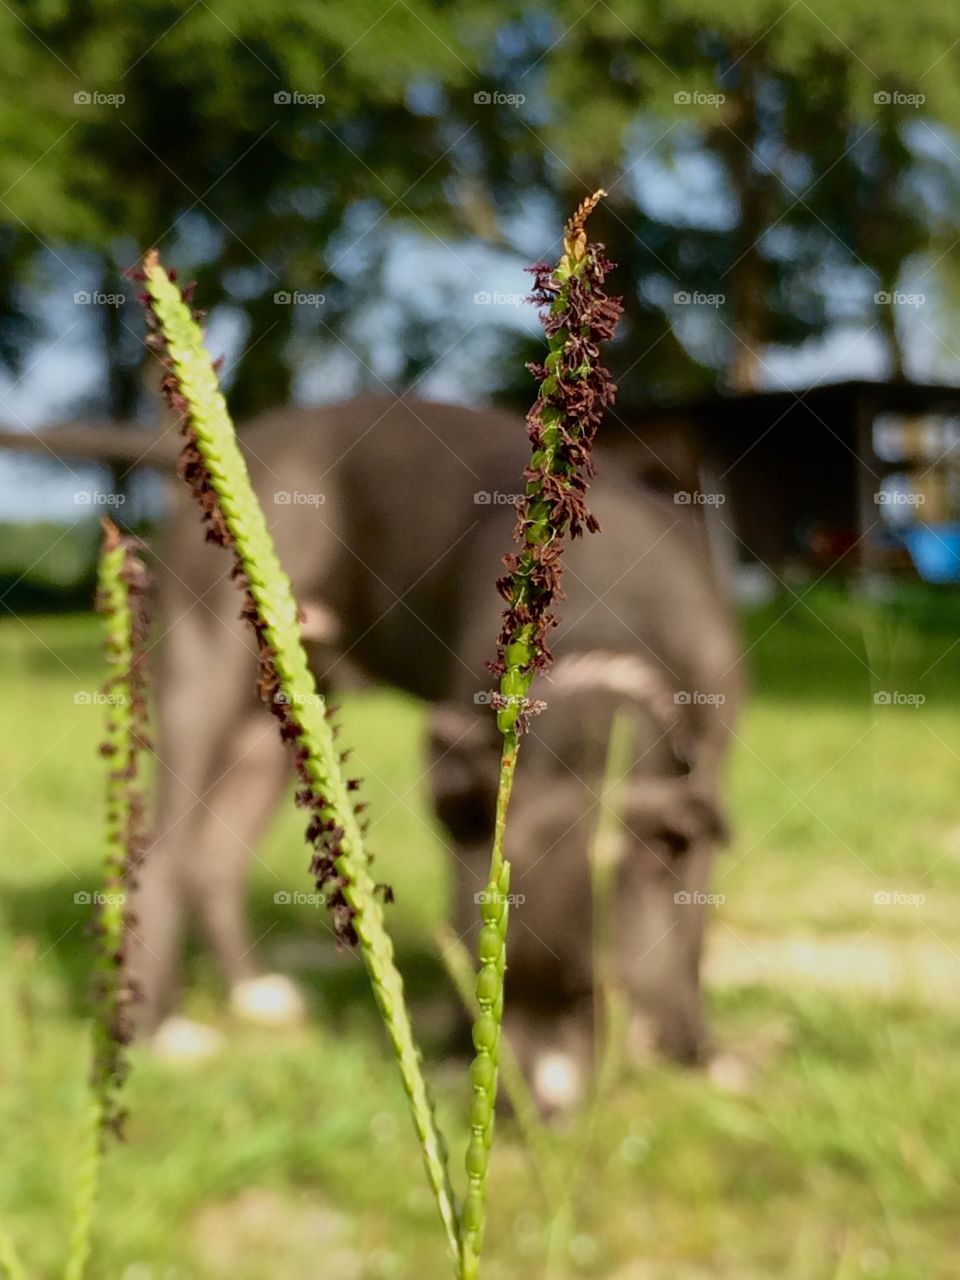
391, 516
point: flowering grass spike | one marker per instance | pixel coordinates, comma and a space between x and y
123, 583
122, 599
213, 467
575, 388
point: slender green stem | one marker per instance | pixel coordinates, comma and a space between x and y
488, 1025
88, 1186
459, 965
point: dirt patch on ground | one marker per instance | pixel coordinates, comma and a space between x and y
924, 968
234, 1236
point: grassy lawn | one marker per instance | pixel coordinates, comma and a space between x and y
291, 1155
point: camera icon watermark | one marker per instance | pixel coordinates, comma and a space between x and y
488, 896
297, 298
697, 698
296, 898
895, 98
97, 898
684, 298
895, 898
494, 498
94, 98
496, 298
494, 98
895, 498
896, 698
294, 98
896, 298
296, 498
84, 298
98, 698
696, 98
95, 498
282, 699
686, 498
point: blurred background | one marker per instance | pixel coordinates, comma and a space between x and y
356, 190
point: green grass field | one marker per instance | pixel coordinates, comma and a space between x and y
292, 1156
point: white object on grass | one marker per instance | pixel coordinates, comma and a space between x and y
272, 1000
181, 1040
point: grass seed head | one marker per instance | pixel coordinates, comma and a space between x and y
575, 389
214, 467
324, 832
122, 596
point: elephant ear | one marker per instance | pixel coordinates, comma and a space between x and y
676, 813
464, 765
693, 817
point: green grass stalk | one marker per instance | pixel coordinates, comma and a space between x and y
87, 1191
574, 390
214, 466
122, 582
458, 962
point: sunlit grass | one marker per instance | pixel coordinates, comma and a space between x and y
840, 1160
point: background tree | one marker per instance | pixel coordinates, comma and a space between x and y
745, 153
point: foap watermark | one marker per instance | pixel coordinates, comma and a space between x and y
296, 498
684, 298
97, 898
697, 698
896, 98
97, 498
684, 498
896, 698
295, 98
495, 98
504, 899
486, 298
86, 298
282, 699
98, 698
297, 898
297, 298
494, 498
895, 898
896, 298
494, 698
697, 98
896, 498
693, 898
94, 98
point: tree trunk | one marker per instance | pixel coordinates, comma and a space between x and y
124, 379
748, 279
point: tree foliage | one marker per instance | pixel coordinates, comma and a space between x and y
749, 151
